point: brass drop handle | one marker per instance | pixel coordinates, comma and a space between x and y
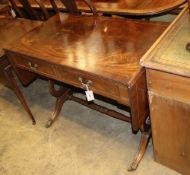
32, 66
85, 82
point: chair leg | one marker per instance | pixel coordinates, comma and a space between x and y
62, 95
145, 137
10, 76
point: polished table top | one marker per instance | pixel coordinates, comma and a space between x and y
126, 7
102, 46
11, 29
170, 55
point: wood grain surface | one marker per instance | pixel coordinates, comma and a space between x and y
110, 48
170, 130
11, 29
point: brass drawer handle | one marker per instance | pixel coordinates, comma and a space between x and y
32, 66
85, 82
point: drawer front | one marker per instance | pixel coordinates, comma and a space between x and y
101, 86
33, 65
104, 87
170, 123
169, 85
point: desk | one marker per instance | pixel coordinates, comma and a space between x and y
100, 52
10, 30
124, 7
168, 77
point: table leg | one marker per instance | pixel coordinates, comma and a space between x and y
62, 95
188, 46
10, 76
145, 137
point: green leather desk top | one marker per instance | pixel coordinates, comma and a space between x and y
168, 53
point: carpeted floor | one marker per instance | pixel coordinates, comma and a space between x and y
81, 141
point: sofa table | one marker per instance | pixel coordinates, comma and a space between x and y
168, 79
93, 53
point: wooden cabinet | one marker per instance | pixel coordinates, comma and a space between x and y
169, 101
168, 79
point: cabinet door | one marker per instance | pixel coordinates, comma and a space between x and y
170, 120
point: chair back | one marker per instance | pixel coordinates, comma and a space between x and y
28, 11
71, 6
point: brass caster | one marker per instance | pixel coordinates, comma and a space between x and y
33, 122
49, 123
133, 167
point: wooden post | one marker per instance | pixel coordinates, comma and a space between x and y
188, 44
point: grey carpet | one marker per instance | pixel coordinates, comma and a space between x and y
80, 142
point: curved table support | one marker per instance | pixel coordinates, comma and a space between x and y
11, 79
145, 137
62, 95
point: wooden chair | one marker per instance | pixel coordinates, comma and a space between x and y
27, 10
72, 7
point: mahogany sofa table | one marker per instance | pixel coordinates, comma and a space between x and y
123, 7
99, 52
10, 30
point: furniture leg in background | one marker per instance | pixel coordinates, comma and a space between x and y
11, 79
188, 44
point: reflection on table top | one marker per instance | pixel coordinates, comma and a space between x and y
11, 29
100, 45
127, 7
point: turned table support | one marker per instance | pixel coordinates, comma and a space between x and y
61, 96
145, 137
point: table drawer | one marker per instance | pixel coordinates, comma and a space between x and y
33, 65
169, 85
99, 85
